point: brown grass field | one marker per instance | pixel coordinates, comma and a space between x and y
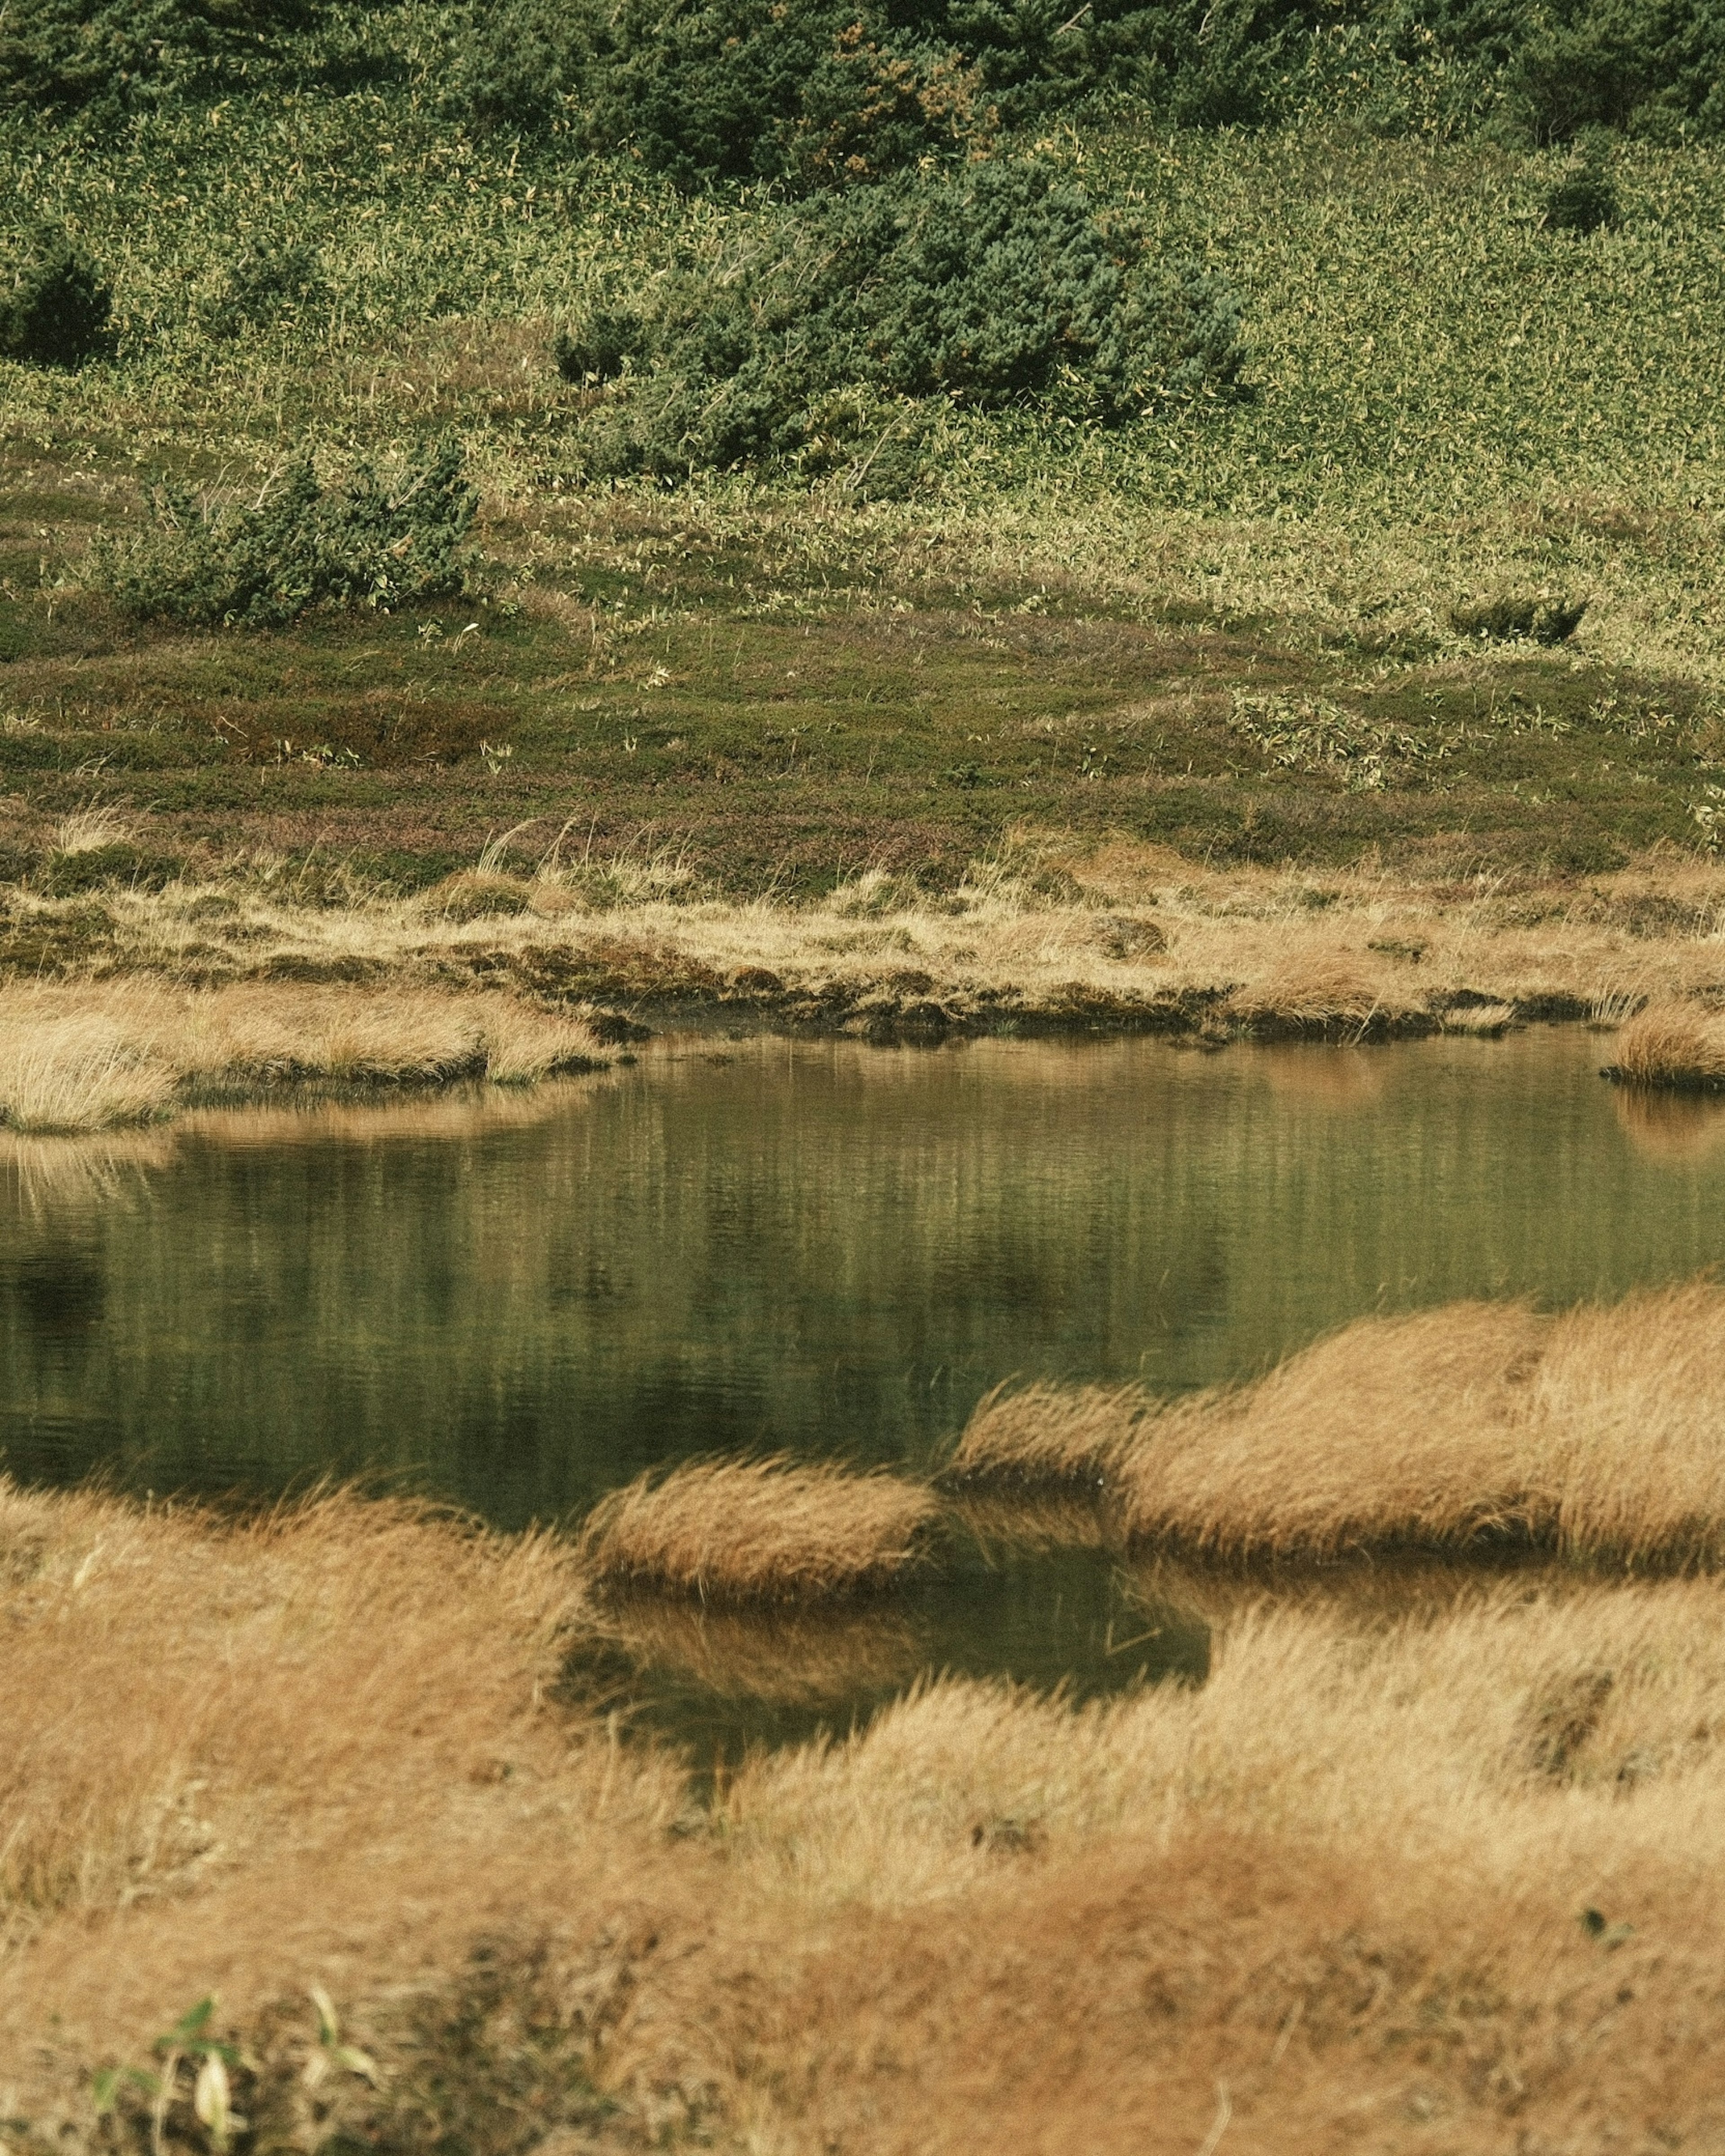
1043, 938
77, 1057
1435, 1869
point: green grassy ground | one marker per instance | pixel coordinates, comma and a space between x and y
1227, 632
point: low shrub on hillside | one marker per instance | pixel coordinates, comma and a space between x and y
1584, 198
263, 283
54, 304
824, 331
371, 542
70, 54
818, 92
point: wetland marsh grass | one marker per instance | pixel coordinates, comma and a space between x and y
95, 1056
761, 1530
1593, 1433
1451, 1852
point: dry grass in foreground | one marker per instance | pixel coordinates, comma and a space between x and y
1599, 1434
1448, 1870
766, 1530
75, 1059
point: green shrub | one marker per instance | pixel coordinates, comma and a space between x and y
368, 543
1583, 197
261, 284
820, 92
1543, 617
816, 336
90, 54
54, 305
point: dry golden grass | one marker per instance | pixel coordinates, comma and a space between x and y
1051, 1434
1156, 938
1672, 1044
1599, 1433
1336, 1897
90, 1057
771, 1530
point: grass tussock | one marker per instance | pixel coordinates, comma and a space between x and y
89, 1059
1594, 1433
769, 1530
1672, 1046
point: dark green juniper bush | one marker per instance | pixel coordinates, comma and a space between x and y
54, 304
814, 335
372, 541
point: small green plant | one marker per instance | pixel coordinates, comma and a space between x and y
210, 2064
260, 284
373, 542
1313, 734
1541, 617
55, 306
1583, 197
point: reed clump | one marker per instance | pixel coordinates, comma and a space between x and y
759, 1530
1673, 1045
1595, 1433
91, 1058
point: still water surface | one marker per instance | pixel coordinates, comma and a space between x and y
517, 1302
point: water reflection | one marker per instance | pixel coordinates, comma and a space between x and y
519, 1300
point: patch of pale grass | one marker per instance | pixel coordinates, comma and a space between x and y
76, 1072
85, 830
1599, 1433
83, 1058
1672, 1044
1484, 1020
765, 1530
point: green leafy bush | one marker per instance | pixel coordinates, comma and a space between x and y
823, 92
88, 53
1583, 197
54, 304
371, 542
262, 283
824, 332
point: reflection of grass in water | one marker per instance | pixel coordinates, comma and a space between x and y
53, 1170
797, 1658
1022, 1514
1674, 1126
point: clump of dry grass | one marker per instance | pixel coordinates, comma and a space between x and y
768, 1530
78, 1071
90, 1057
1049, 1435
1672, 1044
1597, 1434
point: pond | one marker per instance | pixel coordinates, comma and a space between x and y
518, 1301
